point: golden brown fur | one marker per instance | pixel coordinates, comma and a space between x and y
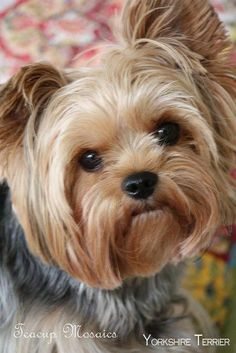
171, 64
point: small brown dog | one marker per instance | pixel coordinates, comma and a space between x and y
119, 170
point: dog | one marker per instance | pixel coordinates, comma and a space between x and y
111, 177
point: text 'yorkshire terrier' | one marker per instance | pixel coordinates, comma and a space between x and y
112, 176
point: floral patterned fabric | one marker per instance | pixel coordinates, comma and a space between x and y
51, 30
58, 30
227, 13
210, 282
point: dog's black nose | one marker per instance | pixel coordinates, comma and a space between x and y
140, 185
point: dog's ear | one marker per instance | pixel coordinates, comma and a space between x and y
192, 22
26, 93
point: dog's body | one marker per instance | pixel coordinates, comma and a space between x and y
117, 173
38, 299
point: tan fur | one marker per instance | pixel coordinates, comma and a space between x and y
171, 65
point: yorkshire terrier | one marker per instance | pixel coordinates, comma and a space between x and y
111, 177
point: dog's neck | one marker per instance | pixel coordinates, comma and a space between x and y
137, 304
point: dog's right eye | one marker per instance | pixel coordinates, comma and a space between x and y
90, 161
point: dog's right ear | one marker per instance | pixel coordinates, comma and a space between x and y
27, 93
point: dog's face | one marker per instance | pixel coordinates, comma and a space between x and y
118, 170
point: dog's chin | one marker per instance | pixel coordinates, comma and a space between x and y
151, 241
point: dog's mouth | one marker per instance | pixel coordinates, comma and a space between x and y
146, 210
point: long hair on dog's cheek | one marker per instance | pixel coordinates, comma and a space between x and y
101, 228
218, 92
204, 207
60, 239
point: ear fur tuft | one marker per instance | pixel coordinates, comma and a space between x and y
193, 22
28, 91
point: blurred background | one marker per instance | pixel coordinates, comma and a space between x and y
57, 31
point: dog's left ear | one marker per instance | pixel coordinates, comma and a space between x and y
192, 22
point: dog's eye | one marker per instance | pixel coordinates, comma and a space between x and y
90, 161
168, 134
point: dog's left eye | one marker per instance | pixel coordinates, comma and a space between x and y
168, 134
90, 161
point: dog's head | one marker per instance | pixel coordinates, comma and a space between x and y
116, 171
